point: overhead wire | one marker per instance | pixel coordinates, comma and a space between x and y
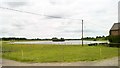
47, 15
36, 13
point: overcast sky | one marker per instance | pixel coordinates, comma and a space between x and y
98, 16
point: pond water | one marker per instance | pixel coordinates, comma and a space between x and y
65, 42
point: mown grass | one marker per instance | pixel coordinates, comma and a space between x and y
56, 53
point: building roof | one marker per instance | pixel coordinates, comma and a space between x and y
116, 26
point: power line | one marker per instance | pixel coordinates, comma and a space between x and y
20, 11
57, 17
45, 15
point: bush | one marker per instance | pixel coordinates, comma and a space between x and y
114, 39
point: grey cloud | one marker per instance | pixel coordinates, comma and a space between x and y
79, 9
21, 24
15, 4
79, 31
6, 32
61, 2
55, 2
54, 16
18, 26
52, 2
72, 31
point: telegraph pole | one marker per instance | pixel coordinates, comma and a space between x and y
82, 32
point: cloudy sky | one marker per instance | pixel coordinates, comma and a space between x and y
57, 18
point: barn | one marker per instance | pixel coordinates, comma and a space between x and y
115, 30
114, 36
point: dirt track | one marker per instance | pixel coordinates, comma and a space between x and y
107, 62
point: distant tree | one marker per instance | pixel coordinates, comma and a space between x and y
107, 37
103, 36
13, 38
62, 39
54, 38
94, 40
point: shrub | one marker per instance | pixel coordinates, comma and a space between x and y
114, 39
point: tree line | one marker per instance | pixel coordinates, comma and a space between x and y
96, 38
54, 38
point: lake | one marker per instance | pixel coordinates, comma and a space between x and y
65, 42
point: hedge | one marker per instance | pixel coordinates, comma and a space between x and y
114, 39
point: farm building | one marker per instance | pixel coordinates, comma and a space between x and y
114, 37
115, 30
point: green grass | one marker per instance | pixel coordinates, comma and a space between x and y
56, 53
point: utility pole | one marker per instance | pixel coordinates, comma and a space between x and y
82, 32
118, 29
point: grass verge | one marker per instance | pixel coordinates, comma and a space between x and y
56, 53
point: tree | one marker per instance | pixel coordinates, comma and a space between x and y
54, 38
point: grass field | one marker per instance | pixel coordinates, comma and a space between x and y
56, 53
